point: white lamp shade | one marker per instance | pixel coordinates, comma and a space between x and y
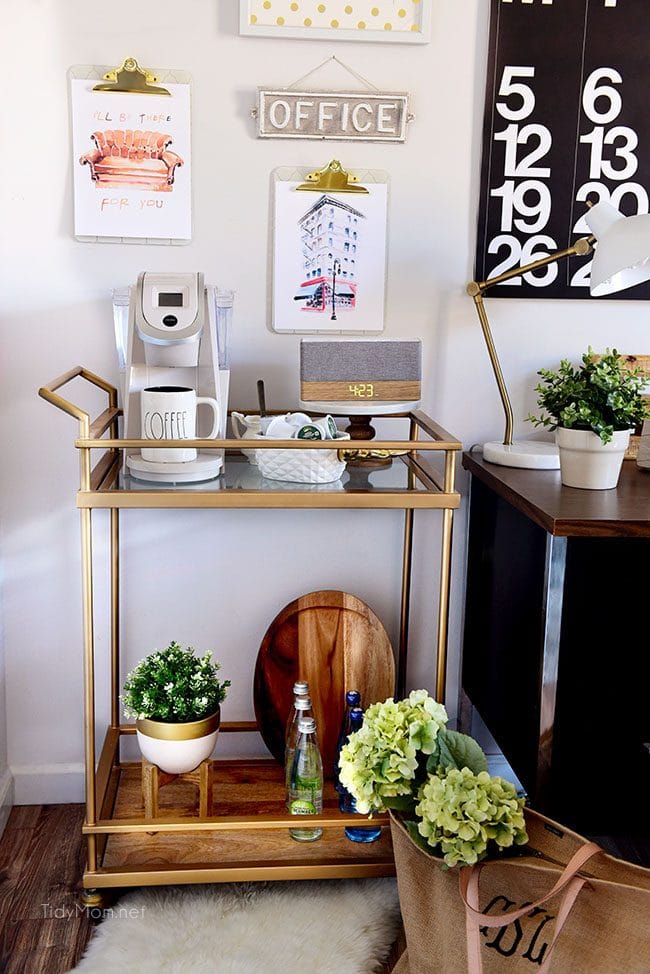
622, 257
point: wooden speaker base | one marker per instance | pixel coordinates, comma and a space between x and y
361, 428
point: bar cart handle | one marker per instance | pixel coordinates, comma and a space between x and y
48, 392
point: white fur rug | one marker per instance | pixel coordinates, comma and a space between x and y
302, 927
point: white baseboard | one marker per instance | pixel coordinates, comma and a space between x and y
48, 784
6, 797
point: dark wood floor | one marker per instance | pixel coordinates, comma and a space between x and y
44, 929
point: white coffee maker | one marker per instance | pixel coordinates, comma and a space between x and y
176, 336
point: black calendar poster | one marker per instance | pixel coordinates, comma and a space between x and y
566, 122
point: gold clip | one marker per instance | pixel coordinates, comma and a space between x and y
333, 178
131, 78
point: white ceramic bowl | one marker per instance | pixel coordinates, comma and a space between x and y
302, 466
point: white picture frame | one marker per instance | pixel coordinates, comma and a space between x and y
383, 21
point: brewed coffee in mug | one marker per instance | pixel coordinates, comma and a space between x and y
169, 413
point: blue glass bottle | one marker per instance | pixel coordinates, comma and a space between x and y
352, 699
366, 833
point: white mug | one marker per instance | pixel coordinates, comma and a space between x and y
169, 413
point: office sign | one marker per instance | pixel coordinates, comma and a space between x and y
566, 123
344, 116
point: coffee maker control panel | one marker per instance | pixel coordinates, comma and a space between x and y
169, 307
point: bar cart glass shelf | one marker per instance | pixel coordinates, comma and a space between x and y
246, 836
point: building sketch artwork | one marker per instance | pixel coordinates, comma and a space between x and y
330, 237
133, 159
329, 256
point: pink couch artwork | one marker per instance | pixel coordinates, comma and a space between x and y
131, 158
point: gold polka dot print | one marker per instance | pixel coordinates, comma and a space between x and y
359, 15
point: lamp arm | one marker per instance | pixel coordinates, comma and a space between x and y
475, 290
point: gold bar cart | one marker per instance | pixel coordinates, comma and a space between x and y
246, 838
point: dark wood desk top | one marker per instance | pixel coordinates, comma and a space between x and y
567, 511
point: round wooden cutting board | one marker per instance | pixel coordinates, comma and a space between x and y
335, 642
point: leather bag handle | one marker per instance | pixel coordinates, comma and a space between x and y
568, 881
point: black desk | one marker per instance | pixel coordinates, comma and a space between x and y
556, 654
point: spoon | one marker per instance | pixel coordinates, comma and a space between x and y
261, 397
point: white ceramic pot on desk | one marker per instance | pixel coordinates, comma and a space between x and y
587, 462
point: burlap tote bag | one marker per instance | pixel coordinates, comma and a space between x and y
564, 907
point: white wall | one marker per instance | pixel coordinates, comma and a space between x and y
57, 312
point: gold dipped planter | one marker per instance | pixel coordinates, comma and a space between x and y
178, 748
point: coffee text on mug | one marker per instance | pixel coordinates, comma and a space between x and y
169, 425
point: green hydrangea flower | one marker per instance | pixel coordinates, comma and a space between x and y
380, 760
461, 812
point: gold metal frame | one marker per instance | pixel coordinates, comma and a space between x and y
428, 487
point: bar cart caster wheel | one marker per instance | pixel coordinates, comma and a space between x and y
93, 901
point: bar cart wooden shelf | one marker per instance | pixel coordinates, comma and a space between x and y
246, 836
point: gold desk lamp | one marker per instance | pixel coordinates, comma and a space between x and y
621, 260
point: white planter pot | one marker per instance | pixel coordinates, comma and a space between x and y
587, 462
178, 748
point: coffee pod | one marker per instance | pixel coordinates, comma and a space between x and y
280, 428
297, 419
327, 426
309, 432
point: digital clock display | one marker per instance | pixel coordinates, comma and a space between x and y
170, 299
362, 390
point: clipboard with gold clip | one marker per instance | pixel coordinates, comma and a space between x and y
132, 79
140, 115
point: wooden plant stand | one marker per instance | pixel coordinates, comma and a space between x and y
153, 779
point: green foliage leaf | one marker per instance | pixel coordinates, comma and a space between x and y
400, 803
455, 750
433, 761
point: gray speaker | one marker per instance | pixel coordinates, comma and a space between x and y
363, 371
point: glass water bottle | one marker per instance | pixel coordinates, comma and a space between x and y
300, 689
301, 708
305, 791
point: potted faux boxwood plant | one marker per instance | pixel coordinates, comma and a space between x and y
593, 409
175, 698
